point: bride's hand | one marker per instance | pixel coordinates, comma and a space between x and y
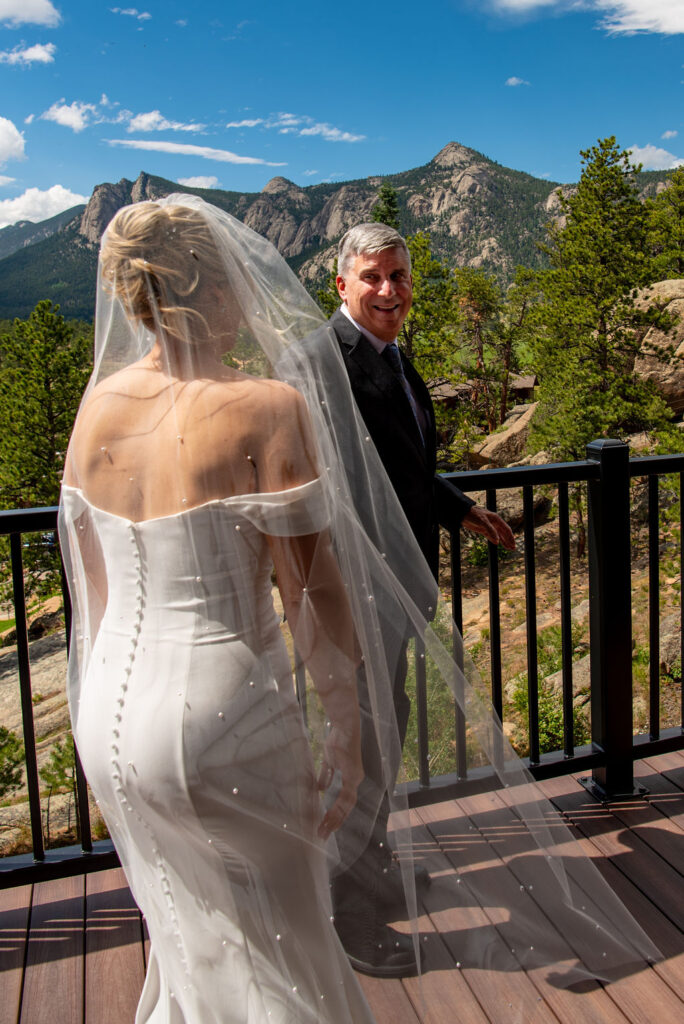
342, 753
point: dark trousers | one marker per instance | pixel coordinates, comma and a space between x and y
362, 839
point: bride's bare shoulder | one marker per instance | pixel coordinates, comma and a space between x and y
263, 391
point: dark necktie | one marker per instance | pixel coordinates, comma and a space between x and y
392, 355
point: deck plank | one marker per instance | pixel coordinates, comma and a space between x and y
505, 992
636, 993
114, 956
15, 911
388, 1000
657, 879
53, 981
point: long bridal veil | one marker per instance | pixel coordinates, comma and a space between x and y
293, 458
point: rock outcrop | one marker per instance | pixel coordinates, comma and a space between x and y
661, 358
508, 444
107, 199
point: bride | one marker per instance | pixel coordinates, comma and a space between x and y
211, 449
186, 479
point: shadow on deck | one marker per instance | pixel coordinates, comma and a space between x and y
73, 951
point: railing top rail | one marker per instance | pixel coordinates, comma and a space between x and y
559, 472
28, 520
518, 476
655, 465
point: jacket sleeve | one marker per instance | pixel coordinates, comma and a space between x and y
451, 503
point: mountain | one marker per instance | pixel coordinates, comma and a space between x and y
477, 212
26, 232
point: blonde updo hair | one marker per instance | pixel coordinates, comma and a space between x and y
157, 260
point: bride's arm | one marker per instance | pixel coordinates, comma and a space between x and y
316, 605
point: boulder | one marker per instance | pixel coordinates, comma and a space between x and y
508, 444
661, 356
670, 644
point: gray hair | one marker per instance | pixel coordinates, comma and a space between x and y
365, 239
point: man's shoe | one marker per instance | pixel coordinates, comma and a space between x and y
381, 952
390, 890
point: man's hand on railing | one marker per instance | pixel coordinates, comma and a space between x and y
490, 525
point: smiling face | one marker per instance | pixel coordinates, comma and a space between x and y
378, 290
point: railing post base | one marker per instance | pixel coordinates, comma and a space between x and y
601, 794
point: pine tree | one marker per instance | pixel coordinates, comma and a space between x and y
590, 326
11, 761
386, 209
44, 367
427, 336
666, 229
328, 297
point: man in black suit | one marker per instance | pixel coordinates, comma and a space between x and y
375, 285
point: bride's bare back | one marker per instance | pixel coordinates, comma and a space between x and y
149, 444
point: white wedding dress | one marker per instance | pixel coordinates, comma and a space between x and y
192, 740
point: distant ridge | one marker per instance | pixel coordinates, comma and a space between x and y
476, 211
26, 232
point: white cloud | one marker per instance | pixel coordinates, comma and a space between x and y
617, 16
76, 115
36, 204
41, 53
310, 173
514, 80
132, 12
186, 149
245, 124
11, 142
631, 16
80, 115
29, 119
29, 12
298, 124
670, 134
153, 121
4, 180
182, 22
522, 6
654, 158
200, 181
331, 134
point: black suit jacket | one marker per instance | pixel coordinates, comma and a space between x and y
409, 460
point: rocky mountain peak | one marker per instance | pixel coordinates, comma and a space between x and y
108, 198
454, 155
102, 205
278, 185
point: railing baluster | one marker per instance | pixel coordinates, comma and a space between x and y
458, 653
421, 712
32, 783
653, 609
531, 608
300, 686
495, 634
82, 806
566, 620
494, 616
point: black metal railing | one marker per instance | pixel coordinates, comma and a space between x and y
609, 757
43, 863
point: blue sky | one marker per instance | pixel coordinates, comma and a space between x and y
229, 94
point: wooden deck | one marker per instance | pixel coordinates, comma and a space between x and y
73, 951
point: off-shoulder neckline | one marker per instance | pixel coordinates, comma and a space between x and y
265, 497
